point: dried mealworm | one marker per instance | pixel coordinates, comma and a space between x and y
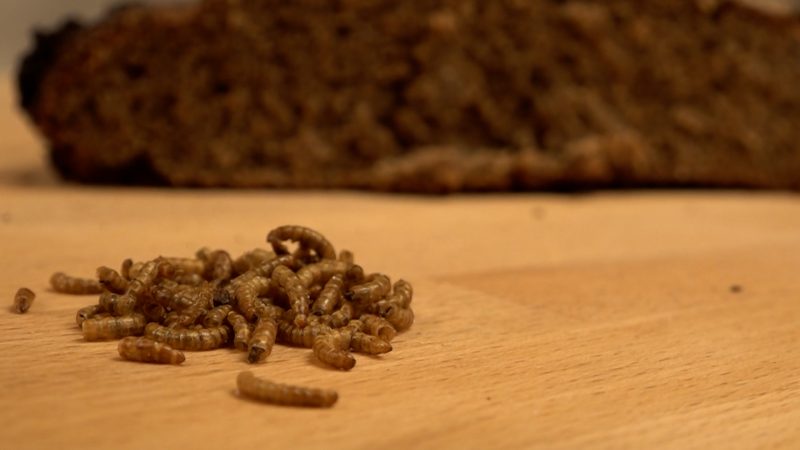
282, 394
247, 295
378, 326
333, 348
147, 350
297, 293
117, 305
87, 312
262, 340
400, 318
291, 334
321, 272
216, 316
343, 315
241, 330
96, 329
374, 288
252, 259
189, 339
66, 284
368, 344
23, 300
112, 280
329, 298
305, 237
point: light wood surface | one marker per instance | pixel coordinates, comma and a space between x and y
543, 321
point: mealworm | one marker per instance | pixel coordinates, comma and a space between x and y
153, 312
189, 339
247, 295
354, 275
117, 305
291, 334
96, 329
297, 293
252, 259
125, 268
400, 318
282, 394
185, 317
378, 326
144, 278
262, 340
346, 256
374, 288
265, 270
66, 284
269, 310
222, 296
216, 316
185, 265
112, 280
329, 297
87, 312
147, 350
333, 348
23, 300
401, 295
341, 316
241, 330
368, 344
321, 272
305, 237
219, 266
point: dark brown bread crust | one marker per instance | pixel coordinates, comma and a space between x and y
424, 95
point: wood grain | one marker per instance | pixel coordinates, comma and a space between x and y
543, 321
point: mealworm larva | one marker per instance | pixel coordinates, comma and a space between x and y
252, 259
87, 312
333, 348
96, 329
125, 268
117, 305
282, 394
354, 275
262, 340
185, 265
291, 334
378, 326
321, 272
216, 316
176, 297
401, 295
23, 300
191, 279
147, 350
368, 344
269, 310
346, 256
341, 316
297, 293
247, 294
112, 280
144, 278
241, 330
185, 317
265, 270
400, 318
305, 237
153, 312
374, 288
219, 266
189, 339
329, 297
66, 284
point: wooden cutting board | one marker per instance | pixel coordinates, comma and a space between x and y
611, 320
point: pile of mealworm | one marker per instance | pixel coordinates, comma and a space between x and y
310, 297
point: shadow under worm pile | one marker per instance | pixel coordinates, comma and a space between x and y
311, 297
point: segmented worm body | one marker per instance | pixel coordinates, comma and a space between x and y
341, 316
378, 326
291, 334
262, 340
282, 394
117, 305
112, 280
147, 350
252, 259
374, 288
400, 318
333, 348
305, 237
368, 344
87, 312
320, 272
297, 293
189, 339
23, 300
216, 316
247, 295
96, 329
329, 297
241, 330
66, 284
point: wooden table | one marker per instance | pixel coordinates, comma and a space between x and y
610, 320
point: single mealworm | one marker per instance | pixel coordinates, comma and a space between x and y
329, 297
112, 280
147, 350
219, 266
153, 312
374, 288
247, 295
87, 312
241, 330
215, 316
401, 295
252, 259
66, 284
291, 334
378, 326
186, 265
282, 394
189, 339
262, 340
23, 300
347, 257
297, 293
400, 318
341, 316
265, 269
185, 317
117, 305
333, 348
144, 278
368, 344
96, 329
321, 272
305, 237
